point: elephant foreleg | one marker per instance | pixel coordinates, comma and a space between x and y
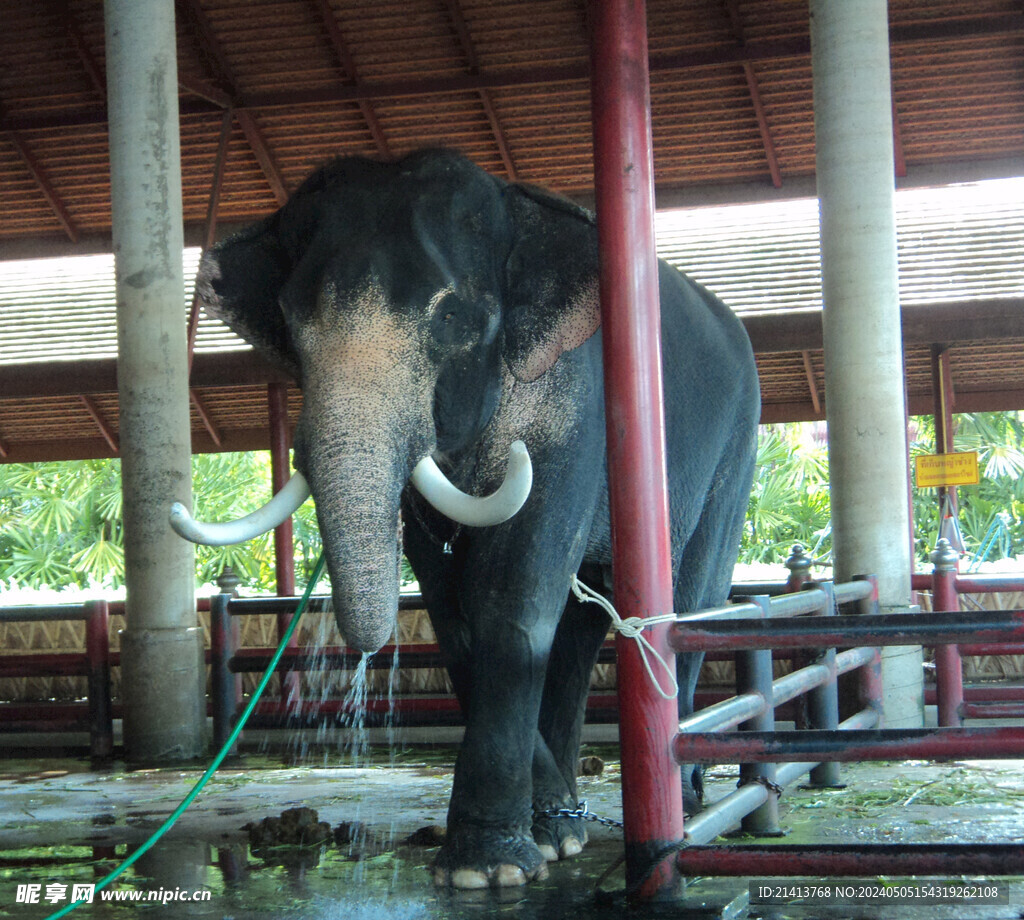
578, 639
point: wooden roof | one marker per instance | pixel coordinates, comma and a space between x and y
279, 86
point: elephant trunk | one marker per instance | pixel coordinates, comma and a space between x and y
357, 490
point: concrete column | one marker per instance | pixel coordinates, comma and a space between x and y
161, 646
864, 375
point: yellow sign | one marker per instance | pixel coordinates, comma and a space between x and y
934, 470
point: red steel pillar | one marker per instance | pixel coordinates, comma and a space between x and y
631, 330
949, 670
284, 551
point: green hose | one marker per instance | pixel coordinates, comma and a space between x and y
205, 778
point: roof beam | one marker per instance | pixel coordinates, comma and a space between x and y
96, 448
259, 438
752, 52
1007, 400
194, 19
967, 321
348, 66
93, 376
458, 21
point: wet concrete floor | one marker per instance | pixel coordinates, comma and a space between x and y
62, 823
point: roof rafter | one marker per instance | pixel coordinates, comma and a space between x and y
204, 417
458, 21
216, 185
732, 7
42, 181
348, 66
752, 52
92, 68
101, 423
192, 16
899, 161
812, 385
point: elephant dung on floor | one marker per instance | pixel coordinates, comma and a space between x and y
435, 316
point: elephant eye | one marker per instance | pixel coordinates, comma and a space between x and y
448, 317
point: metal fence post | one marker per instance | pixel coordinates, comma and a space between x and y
97, 651
222, 681
870, 675
799, 564
823, 702
754, 675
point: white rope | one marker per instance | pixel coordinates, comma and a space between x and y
632, 628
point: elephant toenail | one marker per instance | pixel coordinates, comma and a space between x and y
469, 879
547, 851
507, 876
570, 847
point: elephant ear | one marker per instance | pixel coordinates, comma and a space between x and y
240, 281
551, 281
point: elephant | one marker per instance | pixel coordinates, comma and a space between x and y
434, 315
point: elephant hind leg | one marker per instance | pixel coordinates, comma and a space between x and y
704, 576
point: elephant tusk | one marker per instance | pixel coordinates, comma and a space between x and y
281, 507
495, 508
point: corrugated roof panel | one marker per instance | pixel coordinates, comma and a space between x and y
902, 12
959, 243
959, 102
955, 244
268, 45
521, 35
550, 134
768, 20
395, 40
62, 309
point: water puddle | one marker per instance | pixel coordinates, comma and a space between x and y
353, 806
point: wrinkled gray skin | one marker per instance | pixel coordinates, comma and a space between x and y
429, 308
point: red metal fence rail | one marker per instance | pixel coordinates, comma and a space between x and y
760, 624
954, 701
98, 715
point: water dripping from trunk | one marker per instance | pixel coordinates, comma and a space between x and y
353, 716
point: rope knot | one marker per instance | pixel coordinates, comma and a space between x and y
632, 628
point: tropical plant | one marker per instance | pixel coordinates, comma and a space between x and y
789, 502
991, 513
60, 523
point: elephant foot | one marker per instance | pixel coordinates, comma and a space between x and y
559, 837
693, 790
474, 858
